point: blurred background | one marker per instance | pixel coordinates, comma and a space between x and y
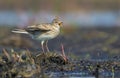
91, 27
78, 12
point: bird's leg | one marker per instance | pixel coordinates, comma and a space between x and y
63, 53
47, 46
42, 45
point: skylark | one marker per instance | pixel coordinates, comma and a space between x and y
42, 32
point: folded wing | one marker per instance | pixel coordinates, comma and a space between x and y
40, 28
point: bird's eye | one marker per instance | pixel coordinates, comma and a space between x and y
56, 22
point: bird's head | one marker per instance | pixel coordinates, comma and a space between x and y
57, 21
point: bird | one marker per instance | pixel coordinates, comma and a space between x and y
42, 32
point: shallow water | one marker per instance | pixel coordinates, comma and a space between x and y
81, 75
107, 18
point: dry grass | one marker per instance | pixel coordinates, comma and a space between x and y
24, 64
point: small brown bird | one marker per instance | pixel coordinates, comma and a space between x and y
42, 32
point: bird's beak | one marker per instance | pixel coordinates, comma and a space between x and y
61, 24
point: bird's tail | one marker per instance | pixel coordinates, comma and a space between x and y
21, 31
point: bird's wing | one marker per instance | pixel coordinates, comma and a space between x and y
40, 27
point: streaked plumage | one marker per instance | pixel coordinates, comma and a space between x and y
42, 32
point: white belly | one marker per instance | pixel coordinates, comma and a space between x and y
46, 36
